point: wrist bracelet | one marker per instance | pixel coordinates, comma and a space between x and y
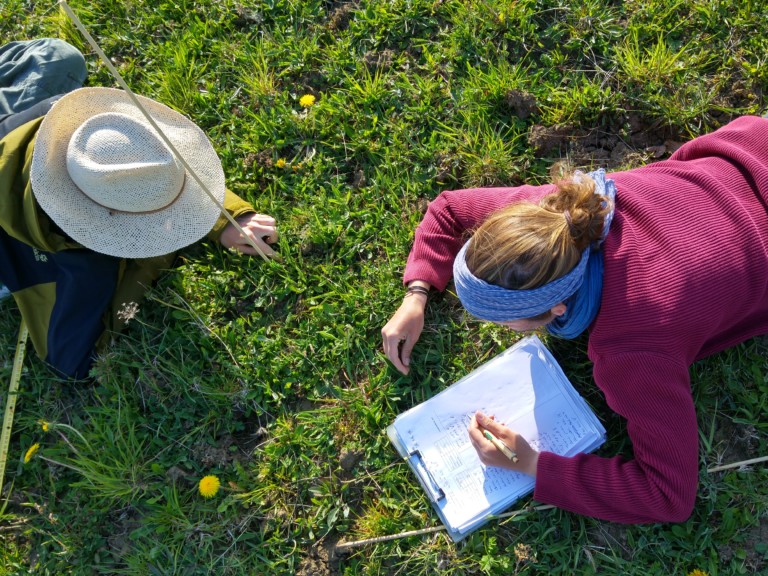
417, 290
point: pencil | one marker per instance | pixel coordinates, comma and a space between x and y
500, 446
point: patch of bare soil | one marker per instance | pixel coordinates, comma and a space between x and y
640, 143
246, 18
608, 535
734, 442
320, 561
215, 456
228, 448
349, 459
755, 558
122, 523
261, 159
383, 59
520, 104
341, 16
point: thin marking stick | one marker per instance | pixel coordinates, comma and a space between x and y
347, 545
140, 106
343, 546
738, 464
10, 403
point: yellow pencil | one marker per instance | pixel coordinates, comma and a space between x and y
503, 448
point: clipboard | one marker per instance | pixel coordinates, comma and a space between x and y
525, 388
434, 493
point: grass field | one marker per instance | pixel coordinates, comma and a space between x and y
270, 376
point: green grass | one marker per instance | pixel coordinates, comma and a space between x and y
270, 375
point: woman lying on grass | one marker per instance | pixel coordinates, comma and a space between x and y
664, 264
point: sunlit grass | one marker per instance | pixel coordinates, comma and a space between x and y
269, 376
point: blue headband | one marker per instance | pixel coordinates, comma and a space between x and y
496, 304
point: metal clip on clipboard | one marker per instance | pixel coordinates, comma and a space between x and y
425, 476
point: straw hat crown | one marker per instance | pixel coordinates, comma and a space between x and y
103, 174
122, 164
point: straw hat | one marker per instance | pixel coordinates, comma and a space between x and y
107, 179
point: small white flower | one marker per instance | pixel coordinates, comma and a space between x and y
128, 311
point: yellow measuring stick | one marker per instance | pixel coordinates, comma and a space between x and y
10, 403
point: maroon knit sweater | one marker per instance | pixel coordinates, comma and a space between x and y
686, 275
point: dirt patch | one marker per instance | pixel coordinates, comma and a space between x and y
349, 459
613, 537
122, 523
753, 549
383, 59
320, 561
734, 442
358, 179
245, 17
629, 143
261, 159
220, 455
231, 448
520, 104
341, 17
547, 139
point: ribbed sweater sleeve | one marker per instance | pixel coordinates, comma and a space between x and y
449, 218
659, 484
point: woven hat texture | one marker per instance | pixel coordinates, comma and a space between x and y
107, 179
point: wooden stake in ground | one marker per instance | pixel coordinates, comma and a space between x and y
10, 403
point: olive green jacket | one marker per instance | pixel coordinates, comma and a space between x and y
22, 219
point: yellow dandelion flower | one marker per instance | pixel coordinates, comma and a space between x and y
209, 486
697, 572
31, 452
45, 425
307, 100
502, 17
280, 163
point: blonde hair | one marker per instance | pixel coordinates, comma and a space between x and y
525, 245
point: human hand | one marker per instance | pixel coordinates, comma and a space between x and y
259, 227
402, 331
527, 457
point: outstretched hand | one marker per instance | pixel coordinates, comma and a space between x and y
527, 457
403, 330
259, 227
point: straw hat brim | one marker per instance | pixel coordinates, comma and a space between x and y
190, 217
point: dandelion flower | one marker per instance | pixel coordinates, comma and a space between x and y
209, 486
280, 163
307, 100
697, 572
502, 17
31, 452
44, 425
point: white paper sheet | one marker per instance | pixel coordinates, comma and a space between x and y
523, 388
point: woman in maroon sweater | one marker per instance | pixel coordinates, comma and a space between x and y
663, 264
